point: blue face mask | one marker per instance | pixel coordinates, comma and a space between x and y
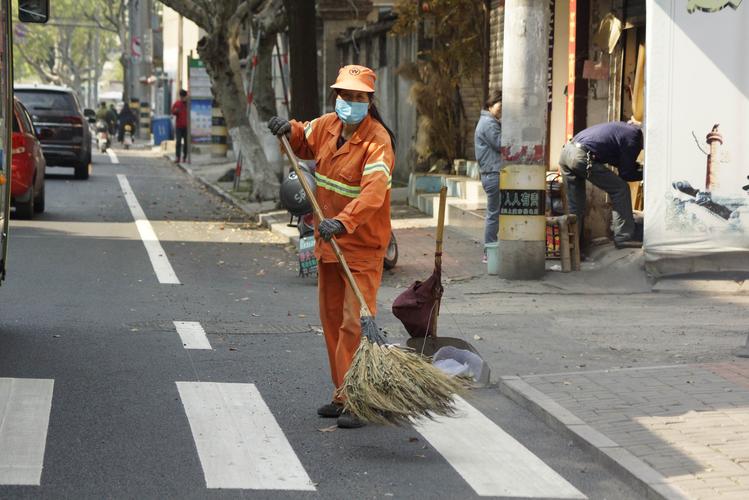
351, 112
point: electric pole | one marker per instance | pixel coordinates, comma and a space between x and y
522, 220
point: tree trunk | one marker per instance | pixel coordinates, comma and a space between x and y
264, 92
125, 73
221, 62
305, 99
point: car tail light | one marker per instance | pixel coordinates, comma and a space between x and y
76, 121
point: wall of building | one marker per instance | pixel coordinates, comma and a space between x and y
190, 36
496, 43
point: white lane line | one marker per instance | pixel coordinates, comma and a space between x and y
112, 155
491, 461
25, 404
159, 260
192, 335
239, 442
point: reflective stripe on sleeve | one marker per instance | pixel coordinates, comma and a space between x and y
372, 168
308, 129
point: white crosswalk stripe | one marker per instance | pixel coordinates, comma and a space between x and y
25, 405
491, 461
192, 335
239, 442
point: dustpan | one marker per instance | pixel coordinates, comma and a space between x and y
418, 307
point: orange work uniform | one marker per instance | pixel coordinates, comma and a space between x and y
353, 186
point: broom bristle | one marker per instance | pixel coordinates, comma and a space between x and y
391, 386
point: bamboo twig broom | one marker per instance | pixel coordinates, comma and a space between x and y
386, 384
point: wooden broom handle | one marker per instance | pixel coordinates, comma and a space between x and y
318, 213
438, 258
440, 224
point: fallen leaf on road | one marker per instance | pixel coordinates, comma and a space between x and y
332, 428
232, 348
412, 439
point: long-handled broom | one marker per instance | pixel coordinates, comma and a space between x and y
385, 384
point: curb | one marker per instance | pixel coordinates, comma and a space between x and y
637, 474
264, 219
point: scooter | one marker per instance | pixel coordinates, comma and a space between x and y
102, 135
127, 137
295, 201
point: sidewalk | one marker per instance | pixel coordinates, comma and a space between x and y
682, 428
641, 373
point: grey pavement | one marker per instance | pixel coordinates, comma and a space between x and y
82, 307
608, 325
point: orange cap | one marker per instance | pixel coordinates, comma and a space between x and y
353, 77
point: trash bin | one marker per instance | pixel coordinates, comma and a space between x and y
162, 129
492, 257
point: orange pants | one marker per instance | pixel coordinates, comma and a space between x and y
339, 310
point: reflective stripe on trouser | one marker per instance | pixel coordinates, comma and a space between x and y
339, 310
575, 170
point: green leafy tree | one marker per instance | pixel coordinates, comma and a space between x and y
63, 51
450, 38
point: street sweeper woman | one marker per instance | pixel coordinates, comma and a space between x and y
354, 152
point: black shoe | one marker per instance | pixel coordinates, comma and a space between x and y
628, 244
349, 421
330, 410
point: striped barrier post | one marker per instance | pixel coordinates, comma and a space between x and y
135, 108
145, 121
218, 132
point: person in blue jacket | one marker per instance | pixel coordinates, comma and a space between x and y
487, 140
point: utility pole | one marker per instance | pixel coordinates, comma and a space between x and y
522, 220
134, 49
97, 44
180, 55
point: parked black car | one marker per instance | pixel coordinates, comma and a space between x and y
67, 138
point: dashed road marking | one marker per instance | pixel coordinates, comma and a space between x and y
112, 155
192, 335
239, 442
25, 405
159, 260
491, 461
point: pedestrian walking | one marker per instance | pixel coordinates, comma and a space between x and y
584, 158
179, 110
354, 151
487, 140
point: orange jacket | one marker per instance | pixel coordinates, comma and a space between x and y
353, 183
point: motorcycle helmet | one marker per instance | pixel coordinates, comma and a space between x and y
293, 197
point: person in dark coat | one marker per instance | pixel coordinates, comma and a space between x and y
585, 158
126, 116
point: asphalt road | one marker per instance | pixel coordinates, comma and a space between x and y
130, 412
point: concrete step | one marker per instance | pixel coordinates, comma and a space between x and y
428, 203
465, 188
466, 218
